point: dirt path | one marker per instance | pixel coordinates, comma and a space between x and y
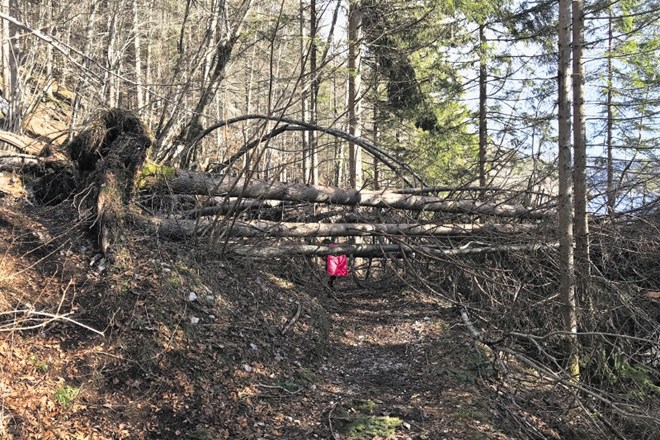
396, 370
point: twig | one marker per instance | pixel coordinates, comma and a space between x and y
52, 318
562, 333
609, 426
293, 320
569, 383
332, 431
471, 328
278, 387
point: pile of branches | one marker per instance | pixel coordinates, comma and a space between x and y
510, 303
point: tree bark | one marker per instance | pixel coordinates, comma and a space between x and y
375, 250
483, 99
82, 84
611, 191
22, 143
190, 182
115, 182
110, 85
582, 259
233, 205
566, 210
313, 96
260, 228
304, 96
375, 124
10, 72
354, 81
16, 162
137, 47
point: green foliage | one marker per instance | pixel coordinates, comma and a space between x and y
624, 371
356, 420
471, 413
447, 155
368, 427
199, 434
618, 370
296, 382
151, 169
66, 395
41, 366
419, 86
395, 37
307, 376
630, 74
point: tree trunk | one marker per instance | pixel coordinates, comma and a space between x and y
221, 57
49, 11
611, 192
304, 98
171, 106
483, 99
354, 81
232, 205
375, 250
376, 122
83, 83
190, 182
115, 181
582, 259
10, 72
313, 96
567, 282
137, 46
18, 163
110, 86
266, 229
22, 143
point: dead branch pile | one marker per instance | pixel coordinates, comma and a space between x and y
512, 298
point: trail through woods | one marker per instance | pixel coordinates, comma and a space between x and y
396, 357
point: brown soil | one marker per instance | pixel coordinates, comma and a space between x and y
237, 362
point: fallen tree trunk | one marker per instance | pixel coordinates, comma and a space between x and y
23, 144
17, 161
177, 228
376, 250
437, 189
232, 205
191, 182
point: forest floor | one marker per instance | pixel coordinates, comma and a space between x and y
195, 346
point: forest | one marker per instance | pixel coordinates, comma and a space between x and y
171, 173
